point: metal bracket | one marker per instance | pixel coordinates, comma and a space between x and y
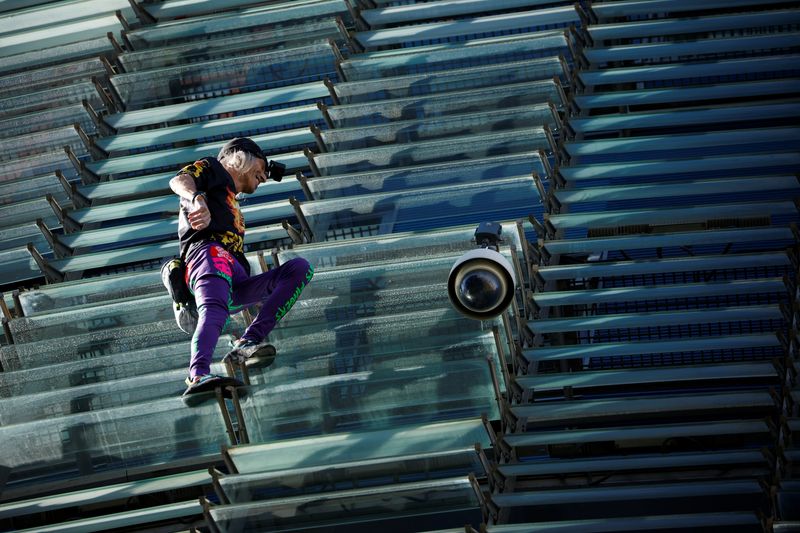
142, 14
360, 23
237, 405
114, 44
537, 226
338, 59
101, 125
275, 259
7, 332
226, 416
69, 225
88, 142
295, 235
317, 133
325, 115
216, 475
17, 303
111, 106
78, 200
59, 248
303, 180
332, 90
127, 42
262, 262
301, 218
87, 176
51, 274
311, 163
4, 307
212, 525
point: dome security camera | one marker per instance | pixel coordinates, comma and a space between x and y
481, 282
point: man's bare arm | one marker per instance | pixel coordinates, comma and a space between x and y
184, 186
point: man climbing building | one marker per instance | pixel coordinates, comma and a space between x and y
211, 231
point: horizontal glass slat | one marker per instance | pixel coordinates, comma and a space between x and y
452, 80
459, 148
101, 369
632, 434
161, 204
167, 229
691, 188
504, 118
681, 264
56, 35
442, 9
112, 439
661, 377
404, 61
679, 26
719, 115
272, 120
408, 499
270, 39
667, 216
250, 72
557, 16
655, 523
217, 106
91, 47
659, 240
676, 71
50, 98
641, 7
46, 120
440, 105
425, 176
61, 74
244, 488
437, 437
577, 412
391, 249
655, 319
607, 349
673, 51
40, 142
269, 142
369, 399
689, 95
17, 265
201, 27
423, 208
648, 293
683, 141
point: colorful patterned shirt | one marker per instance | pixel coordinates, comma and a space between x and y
227, 224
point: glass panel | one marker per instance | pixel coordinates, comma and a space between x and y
431, 498
373, 373
119, 189
460, 79
168, 229
55, 35
21, 235
200, 28
436, 128
215, 48
102, 341
474, 27
440, 10
31, 189
245, 125
424, 208
444, 56
452, 149
17, 265
220, 106
358, 446
39, 142
85, 443
474, 100
425, 176
37, 165
45, 120
149, 386
244, 488
214, 78
56, 54
393, 249
62, 74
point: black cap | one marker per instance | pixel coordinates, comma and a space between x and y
243, 144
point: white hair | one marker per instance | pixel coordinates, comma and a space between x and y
241, 162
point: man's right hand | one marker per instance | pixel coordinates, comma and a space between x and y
199, 217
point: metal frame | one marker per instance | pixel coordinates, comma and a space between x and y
87, 176
301, 218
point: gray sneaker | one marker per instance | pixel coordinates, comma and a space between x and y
251, 354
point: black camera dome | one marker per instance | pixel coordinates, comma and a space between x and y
481, 284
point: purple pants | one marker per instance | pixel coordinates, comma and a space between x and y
221, 287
